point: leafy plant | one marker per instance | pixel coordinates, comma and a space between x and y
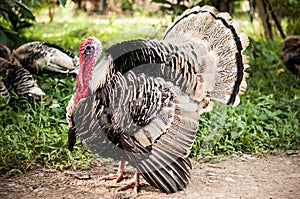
174, 8
35, 133
14, 15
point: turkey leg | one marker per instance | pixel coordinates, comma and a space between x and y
118, 176
135, 182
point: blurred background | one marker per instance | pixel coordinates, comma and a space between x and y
60, 20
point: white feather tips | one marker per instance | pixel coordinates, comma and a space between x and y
226, 16
208, 9
61, 59
203, 47
36, 91
236, 101
244, 40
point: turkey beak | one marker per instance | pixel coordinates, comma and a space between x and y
87, 55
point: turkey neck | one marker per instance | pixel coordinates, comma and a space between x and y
85, 73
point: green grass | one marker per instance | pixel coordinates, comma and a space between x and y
34, 134
69, 31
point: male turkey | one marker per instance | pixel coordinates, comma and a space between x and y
38, 56
290, 54
17, 79
141, 103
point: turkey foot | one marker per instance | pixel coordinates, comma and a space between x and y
118, 176
135, 182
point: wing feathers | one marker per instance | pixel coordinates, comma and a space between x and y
18, 79
40, 55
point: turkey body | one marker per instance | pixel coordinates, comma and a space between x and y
290, 54
42, 56
141, 103
17, 79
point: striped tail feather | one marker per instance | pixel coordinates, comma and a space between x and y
165, 171
206, 24
167, 168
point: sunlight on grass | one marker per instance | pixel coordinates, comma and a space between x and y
69, 30
253, 29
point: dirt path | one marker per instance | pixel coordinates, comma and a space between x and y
237, 177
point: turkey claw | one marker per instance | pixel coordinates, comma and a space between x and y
129, 185
118, 177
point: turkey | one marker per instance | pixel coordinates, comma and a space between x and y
33, 56
290, 54
141, 103
4, 51
37, 56
17, 79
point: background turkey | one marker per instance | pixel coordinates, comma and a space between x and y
4, 51
142, 102
17, 79
290, 54
38, 56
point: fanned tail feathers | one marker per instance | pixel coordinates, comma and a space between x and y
220, 34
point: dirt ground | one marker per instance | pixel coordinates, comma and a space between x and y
273, 176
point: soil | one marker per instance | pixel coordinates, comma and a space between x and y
272, 176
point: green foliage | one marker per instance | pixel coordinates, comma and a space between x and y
289, 12
72, 32
37, 5
174, 8
14, 15
62, 2
127, 4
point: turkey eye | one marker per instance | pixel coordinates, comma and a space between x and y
88, 50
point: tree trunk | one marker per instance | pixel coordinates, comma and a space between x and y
277, 22
51, 11
264, 18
